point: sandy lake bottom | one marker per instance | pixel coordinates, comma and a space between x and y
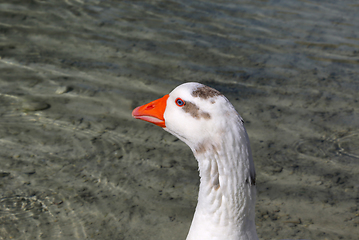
74, 164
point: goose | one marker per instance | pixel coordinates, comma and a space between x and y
207, 122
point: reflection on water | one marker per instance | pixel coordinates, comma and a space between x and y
75, 165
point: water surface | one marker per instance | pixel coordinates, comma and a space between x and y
75, 165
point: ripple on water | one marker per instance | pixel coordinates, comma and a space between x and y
348, 145
36, 210
340, 146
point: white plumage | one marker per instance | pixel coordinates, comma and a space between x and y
208, 123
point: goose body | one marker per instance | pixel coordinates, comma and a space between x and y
207, 122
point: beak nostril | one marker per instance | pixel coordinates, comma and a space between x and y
150, 107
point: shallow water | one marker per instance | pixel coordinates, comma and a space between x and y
75, 165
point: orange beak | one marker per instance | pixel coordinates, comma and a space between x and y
152, 112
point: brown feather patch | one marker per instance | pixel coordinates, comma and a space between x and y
195, 112
206, 92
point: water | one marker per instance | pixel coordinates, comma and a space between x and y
75, 165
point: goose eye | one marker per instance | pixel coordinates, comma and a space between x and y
180, 102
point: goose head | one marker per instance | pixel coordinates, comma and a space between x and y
196, 114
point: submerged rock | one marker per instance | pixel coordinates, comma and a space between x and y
33, 105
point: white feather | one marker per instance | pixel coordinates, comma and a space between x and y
226, 199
